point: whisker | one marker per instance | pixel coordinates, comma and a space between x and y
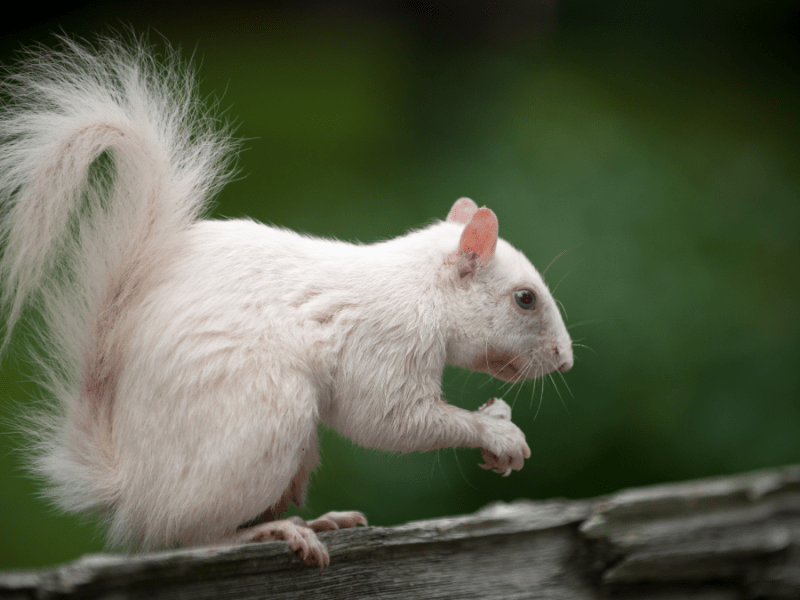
464, 477
586, 322
560, 397
466, 381
564, 379
510, 382
433, 465
553, 292
557, 256
486, 382
514, 403
562, 308
521, 381
584, 346
519, 377
507, 385
541, 397
486, 355
511, 385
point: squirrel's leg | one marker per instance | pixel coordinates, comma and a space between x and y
330, 520
223, 452
432, 424
300, 535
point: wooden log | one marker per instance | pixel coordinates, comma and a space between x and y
720, 539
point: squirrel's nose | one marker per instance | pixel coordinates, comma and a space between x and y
566, 359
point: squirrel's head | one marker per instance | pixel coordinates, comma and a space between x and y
508, 324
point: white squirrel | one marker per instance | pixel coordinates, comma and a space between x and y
189, 362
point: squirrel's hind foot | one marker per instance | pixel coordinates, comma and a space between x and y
301, 535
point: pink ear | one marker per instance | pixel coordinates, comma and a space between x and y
478, 241
462, 211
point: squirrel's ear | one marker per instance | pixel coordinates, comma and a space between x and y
462, 211
478, 242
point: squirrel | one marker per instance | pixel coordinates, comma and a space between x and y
189, 362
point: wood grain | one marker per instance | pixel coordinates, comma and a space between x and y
720, 539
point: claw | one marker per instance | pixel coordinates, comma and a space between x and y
300, 537
300, 546
320, 525
337, 520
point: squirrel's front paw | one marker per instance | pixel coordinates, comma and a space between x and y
503, 446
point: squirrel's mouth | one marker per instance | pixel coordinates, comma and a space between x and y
503, 365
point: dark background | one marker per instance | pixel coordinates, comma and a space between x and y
656, 142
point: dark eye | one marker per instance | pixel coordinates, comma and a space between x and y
525, 299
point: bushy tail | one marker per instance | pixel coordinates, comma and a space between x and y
104, 156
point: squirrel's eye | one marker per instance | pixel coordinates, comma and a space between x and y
525, 299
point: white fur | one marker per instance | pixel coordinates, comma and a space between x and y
191, 361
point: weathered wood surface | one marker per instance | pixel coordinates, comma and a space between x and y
721, 539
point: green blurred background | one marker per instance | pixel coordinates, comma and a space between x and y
656, 142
